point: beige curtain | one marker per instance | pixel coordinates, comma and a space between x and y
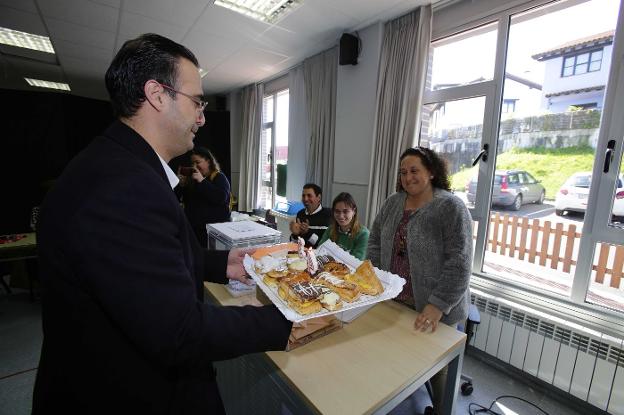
402, 72
298, 134
320, 74
251, 109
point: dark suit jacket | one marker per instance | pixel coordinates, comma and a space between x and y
125, 326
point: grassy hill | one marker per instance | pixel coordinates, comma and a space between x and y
550, 166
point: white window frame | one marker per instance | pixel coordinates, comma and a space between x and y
601, 193
273, 88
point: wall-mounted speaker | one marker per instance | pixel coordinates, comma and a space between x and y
349, 49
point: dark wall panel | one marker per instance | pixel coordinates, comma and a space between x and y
41, 132
215, 136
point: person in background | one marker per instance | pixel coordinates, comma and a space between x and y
205, 194
424, 234
345, 228
125, 326
313, 220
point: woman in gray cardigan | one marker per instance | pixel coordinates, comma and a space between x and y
424, 234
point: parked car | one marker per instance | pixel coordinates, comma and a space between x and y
512, 189
572, 196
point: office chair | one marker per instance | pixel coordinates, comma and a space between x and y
466, 386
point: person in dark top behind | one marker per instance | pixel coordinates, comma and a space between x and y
205, 194
313, 220
125, 326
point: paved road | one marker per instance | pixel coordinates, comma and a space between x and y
545, 211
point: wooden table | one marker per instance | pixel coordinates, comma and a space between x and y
369, 366
24, 248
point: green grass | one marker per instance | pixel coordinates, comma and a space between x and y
550, 166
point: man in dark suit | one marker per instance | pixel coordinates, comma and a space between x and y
125, 326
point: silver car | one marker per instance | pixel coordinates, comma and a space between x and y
512, 189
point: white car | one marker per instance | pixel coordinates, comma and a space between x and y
572, 197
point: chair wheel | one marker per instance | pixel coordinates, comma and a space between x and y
429, 411
466, 388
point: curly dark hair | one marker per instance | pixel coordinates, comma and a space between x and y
432, 162
149, 56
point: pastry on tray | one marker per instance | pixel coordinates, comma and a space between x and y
365, 278
348, 291
303, 297
331, 301
271, 278
336, 268
298, 265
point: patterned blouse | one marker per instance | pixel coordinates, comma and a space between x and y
400, 260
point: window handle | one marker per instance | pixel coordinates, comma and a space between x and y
608, 156
482, 155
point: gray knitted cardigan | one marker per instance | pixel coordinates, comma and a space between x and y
439, 246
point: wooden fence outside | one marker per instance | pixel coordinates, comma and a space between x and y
540, 243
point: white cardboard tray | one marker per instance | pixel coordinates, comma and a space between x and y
392, 283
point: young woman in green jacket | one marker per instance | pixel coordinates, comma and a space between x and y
345, 229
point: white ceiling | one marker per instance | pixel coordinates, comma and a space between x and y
234, 49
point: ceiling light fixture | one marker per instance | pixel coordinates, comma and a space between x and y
269, 11
25, 40
47, 84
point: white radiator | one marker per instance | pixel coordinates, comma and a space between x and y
579, 361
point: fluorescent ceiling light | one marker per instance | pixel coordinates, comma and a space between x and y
25, 40
47, 84
269, 11
202, 72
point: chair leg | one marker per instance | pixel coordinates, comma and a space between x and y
429, 409
466, 386
5, 285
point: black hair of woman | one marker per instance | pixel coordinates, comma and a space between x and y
433, 162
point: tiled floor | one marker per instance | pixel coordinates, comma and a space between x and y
20, 344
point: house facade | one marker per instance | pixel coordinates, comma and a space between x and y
576, 73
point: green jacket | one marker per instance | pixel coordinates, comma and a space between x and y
356, 246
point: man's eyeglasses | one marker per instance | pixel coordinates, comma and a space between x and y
201, 104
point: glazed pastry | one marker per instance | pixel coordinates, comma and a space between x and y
336, 268
303, 297
366, 279
348, 291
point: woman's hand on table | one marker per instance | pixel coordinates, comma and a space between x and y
235, 269
429, 317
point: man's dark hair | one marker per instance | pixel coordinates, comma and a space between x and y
317, 189
149, 56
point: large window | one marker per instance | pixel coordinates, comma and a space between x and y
582, 63
526, 158
273, 149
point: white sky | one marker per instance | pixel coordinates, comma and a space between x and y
469, 59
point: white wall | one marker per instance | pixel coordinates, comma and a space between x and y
563, 103
355, 117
